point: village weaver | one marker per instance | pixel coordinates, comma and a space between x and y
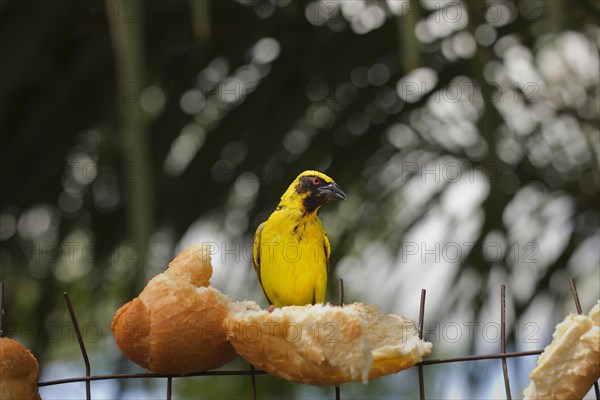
291, 248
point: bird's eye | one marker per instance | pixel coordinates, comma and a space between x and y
316, 181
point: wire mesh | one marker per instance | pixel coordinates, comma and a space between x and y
253, 372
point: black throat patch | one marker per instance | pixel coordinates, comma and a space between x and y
313, 199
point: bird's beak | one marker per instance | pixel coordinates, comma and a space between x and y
333, 190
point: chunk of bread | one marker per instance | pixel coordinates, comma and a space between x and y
19, 372
175, 325
325, 345
570, 364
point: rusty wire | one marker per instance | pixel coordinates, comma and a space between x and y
503, 355
252, 372
503, 341
253, 381
420, 365
86, 360
1, 309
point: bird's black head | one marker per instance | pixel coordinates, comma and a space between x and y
317, 190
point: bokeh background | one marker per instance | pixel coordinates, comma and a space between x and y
465, 133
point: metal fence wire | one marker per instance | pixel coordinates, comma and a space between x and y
252, 372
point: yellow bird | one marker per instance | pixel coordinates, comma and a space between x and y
291, 248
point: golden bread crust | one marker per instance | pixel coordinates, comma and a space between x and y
19, 371
325, 345
175, 325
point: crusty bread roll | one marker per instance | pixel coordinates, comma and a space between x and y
570, 365
19, 372
175, 325
324, 345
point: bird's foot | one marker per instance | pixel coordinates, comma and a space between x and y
272, 308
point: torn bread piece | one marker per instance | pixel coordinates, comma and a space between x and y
324, 345
175, 325
569, 365
19, 371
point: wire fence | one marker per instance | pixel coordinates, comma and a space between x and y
252, 372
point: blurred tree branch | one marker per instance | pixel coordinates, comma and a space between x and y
406, 21
200, 10
125, 20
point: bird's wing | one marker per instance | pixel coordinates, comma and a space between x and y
327, 249
256, 258
256, 250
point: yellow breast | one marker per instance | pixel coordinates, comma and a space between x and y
293, 260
